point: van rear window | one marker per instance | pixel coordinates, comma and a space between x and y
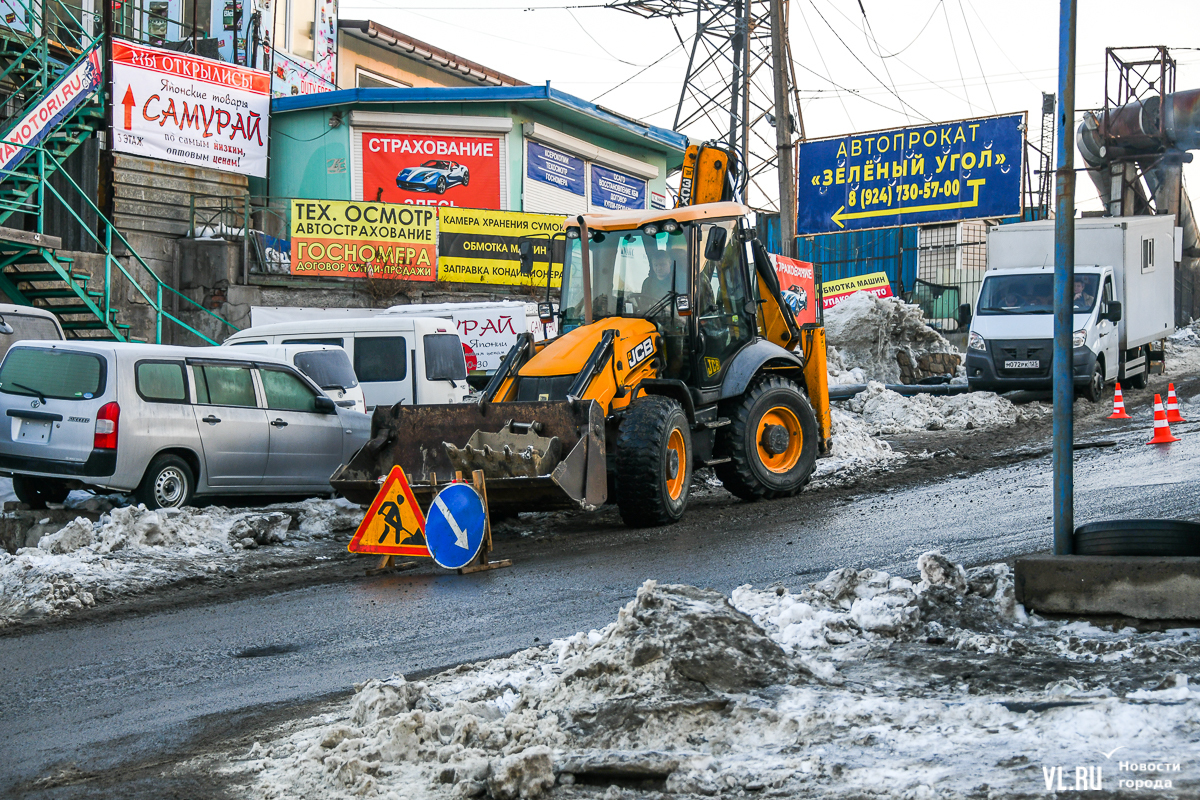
27, 326
444, 358
61, 374
380, 358
329, 369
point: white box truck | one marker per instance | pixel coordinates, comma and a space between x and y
1124, 299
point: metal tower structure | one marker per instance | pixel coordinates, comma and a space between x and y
728, 90
1039, 198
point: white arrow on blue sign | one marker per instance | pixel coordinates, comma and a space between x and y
454, 526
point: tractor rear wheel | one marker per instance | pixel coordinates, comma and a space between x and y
654, 462
771, 441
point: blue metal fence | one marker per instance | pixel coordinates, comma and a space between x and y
844, 255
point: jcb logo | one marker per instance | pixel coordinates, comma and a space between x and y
641, 352
712, 366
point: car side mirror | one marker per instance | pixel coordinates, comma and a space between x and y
714, 247
964, 315
1114, 311
323, 405
525, 253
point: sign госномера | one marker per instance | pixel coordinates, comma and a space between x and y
932, 173
336, 238
190, 110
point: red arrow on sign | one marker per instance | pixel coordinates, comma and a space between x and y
129, 103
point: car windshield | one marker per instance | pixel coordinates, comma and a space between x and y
1032, 294
631, 274
437, 164
329, 369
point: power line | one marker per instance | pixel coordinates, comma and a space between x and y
954, 49
998, 47
828, 73
602, 47
915, 38
859, 60
886, 71
639, 72
971, 38
851, 91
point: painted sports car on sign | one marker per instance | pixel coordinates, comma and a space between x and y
433, 176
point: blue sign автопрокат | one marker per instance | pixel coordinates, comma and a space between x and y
908, 176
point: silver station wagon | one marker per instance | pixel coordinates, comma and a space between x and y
166, 423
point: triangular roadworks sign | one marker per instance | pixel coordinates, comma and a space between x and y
394, 524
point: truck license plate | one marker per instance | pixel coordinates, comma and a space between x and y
34, 431
1022, 364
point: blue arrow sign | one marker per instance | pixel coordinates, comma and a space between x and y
454, 526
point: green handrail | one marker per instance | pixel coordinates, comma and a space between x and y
110, 259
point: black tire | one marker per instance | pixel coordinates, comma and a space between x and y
441, 186
1140, 380
1094, 391
36, 492
653, 479
1138, 537
746, 474
168, 483
466, 181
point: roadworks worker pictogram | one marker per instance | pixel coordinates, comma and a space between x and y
394, 524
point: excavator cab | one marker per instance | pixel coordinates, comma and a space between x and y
676, 352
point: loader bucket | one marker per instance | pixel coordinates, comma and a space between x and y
533, 455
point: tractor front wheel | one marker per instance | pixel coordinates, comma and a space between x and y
653, 462
771, 441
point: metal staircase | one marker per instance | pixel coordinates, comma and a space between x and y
36, 52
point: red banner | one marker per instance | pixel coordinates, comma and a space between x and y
798, 284
431, 170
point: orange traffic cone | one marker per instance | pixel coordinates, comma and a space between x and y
1162, 431
1173, 414
1118, 406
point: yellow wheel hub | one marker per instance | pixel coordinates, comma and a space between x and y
779, 439
676, 466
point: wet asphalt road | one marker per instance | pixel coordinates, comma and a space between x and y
134, 690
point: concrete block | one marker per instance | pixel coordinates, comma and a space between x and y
1132, 586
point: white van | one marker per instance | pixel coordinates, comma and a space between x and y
19, 323
329, 367
409, 360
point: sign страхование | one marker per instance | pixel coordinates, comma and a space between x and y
190, 110
909, 176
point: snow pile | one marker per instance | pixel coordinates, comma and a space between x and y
132, 549
852, 448
1187, 336
863, 685
886, 412
839, 373
870, 605
887, 339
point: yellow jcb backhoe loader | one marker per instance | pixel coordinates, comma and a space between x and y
677, 352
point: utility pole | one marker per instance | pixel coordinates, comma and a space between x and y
783, 131
1064, 278
107, 201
